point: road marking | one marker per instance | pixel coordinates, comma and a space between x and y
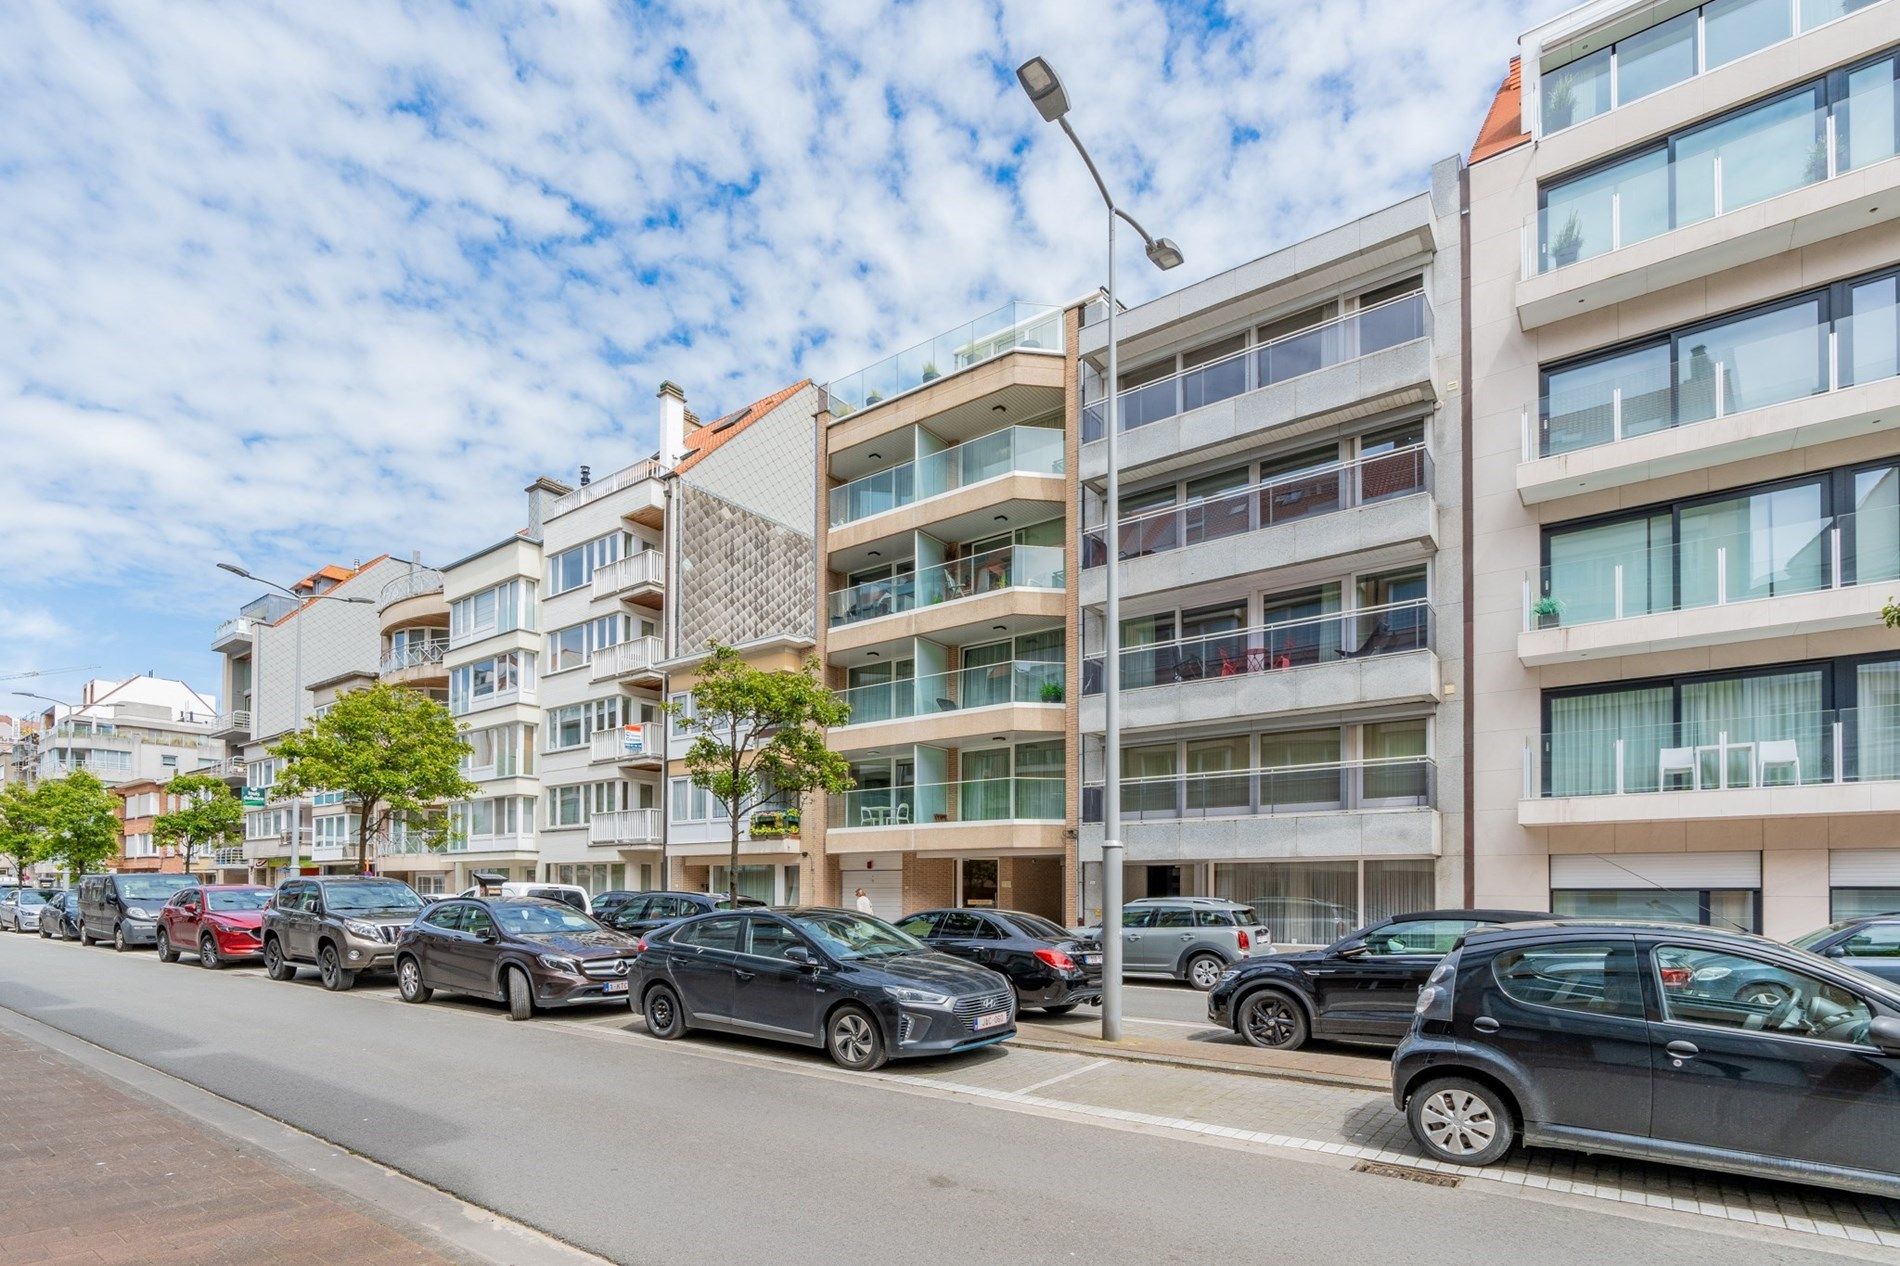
1173, 1024
1073, 1072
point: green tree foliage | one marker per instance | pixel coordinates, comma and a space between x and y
390, 751
78, 821
210, 818
757, 735
21, 836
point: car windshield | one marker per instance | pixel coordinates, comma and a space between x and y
151, 887
1035, 925
1815, 937
241, 899
537, 920
363, 898
32, 897
745, 903
847, 936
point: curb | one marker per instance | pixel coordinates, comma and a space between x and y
1136, 1054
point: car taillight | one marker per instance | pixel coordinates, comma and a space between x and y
1677, 977
640, 946
1434, 1000
1056, 959
1244, 942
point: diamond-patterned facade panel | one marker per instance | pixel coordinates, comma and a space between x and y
746, 577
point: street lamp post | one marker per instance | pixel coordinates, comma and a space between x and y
73, 709
1039, 80
296, 686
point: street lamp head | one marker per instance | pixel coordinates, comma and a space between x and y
1045, 90
235, 570
1164, 254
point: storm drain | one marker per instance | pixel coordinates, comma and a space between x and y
1406, 1172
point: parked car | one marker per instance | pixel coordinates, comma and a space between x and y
569, 894
342, 926
1869, 944
1189, 938
811, 976
1624, 1038
20, 910
652, 910
603, 904
1048, 967
60, 916
220, 923
528, 952
123, 909
1358, 989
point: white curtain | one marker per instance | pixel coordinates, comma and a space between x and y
1584, 729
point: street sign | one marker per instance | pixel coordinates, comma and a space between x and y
633, 739
252, 797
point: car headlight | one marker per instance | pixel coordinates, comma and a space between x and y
554, 962
1229, 974
921, 997
362, 931
137, 912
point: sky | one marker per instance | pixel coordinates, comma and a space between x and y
288, 284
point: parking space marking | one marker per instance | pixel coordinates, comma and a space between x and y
1073, 1072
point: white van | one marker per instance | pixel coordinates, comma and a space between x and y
572, 894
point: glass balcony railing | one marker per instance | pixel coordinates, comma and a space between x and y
1282, 499
1028, 450
1020, 799
1721, 752
1390, 324
1768, 561
1391, 783
1640, 395
1754, 154
983, 686
1010, 327
1325, 639
1012, 567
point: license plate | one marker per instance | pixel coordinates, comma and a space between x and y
614, 986
994, 1020
1091, 960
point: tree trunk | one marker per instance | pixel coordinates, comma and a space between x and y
732, 865
362, 842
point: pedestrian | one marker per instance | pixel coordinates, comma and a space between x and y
864, 903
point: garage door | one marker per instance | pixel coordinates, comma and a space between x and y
883, 884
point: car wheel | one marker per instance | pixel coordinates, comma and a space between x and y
83, 938
276, 966
118, 938
665, 1019
852, 1040
1462, 1122
1273, 1022
1203, 971
1063, 1009
330, 967
409, 981
166, 954
520, 994
208, 954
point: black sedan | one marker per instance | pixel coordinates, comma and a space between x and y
59, 917
649, 911
1050, 968
1360, 988
811, 976
1870, 944
528, 952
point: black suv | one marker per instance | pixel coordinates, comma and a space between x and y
1358, 989
646, 911
1631, 1039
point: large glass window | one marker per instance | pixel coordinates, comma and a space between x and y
1301, 903
1734, 909
1595, 977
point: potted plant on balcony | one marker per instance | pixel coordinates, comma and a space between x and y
1817, 162
1568, 244
1052, 692
876, 397
1548, 611
930, 370
1560, 107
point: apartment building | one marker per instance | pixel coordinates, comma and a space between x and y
1686, 465
1290, 555
143, 727
945, 623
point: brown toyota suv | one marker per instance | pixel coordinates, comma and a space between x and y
525, 951
341, 926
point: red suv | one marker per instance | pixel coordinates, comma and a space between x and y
218, 922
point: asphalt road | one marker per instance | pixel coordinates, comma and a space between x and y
708, 1151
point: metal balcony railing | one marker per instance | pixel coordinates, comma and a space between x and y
1017, 566
1008, 328
1028, 450
1363, 633
1339, 786
1018, 799
983, 686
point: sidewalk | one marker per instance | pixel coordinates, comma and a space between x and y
91, 1174
1324, 1068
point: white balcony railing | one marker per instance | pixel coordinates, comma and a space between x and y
229, 856
417, 582
644, 570
619, 745
414, 655
625, 827
628, 659
236, 629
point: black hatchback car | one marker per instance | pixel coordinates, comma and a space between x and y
1049, 968
1628, 1039
529, 952
647, 911
1358, 989
1870, 944
812, 976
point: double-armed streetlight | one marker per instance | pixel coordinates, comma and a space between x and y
1045, 92
296, 688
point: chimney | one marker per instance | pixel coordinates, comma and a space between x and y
587, 475
541, 494
672, 424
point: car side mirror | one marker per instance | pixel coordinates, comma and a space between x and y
490, 937
800, 955
1353, 949
1835, 951
1883, 1033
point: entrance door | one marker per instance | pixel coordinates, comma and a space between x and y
976, 881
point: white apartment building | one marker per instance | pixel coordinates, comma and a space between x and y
1290, 554
1685, 409
143, 727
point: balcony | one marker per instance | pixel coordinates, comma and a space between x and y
625, 828
1779, 580
229, 857
1775, 391
632, 662
1012, 567
639, 578
234, 634
414, 662
949, 816
1012, 327
1020, 697
645, 506
1721, 768
1022, 450
643, 746
235, 724
1322, 663
417, 582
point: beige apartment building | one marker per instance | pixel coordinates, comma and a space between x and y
946, 617
1685, 422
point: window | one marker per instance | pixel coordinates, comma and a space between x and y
1596, 977
263, 773
490, 680
500, 751
447, 916
714, 934
921, 926
960, 924
1876, 940
476, 921
1858, 903
566, 806
770, 939
1713, 987
474, 821
1174, 917
337, 830
505, 607
168, 762
1738, 909
1138, 917
1420, 936
572, 568
140, 845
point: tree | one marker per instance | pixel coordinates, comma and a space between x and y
210, 818
21, 835
389, 751
757, 735
79, 821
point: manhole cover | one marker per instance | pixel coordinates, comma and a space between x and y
1406, 1172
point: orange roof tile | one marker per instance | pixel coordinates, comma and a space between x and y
703, 440
1504, 126
332, 572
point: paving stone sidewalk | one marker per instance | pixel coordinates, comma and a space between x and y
92, 1174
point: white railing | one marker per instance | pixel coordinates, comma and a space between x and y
587, 494
627, 658
236, 626
415, 583
414, 655
625, 826
236, 719
229, 856
617, 745
631, 572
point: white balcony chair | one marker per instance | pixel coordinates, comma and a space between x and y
1777, 754
1677, 760
903, 812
